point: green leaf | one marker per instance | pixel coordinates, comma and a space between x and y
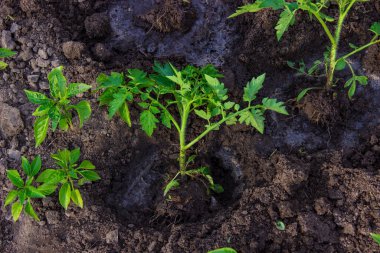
58, 83
76, 197
274, 105
118, 101
30, 211
253, 87
77, 88
280, 225
87, 165
351, 91
202, 114
217, 188
148, 122
83, 109
41, 126
12, 195
258, 6
113, 80
3, 65
223, 250
15, 178
35, 167
16, 210
63, 124
55, 116
74, 155
42, 110
47, 176
139, 78
36, 97
340, 65
218, 87
90, 175
47, 188
5, 53
375, 237
375, 28
25, 165
172, 184
165, 119
228, 105
33, 192
125, 114
65, 195
22, 195
287, 18
253, 118
304, 92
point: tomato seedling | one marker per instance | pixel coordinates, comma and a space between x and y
315, 9
70, 176
5, 53
169, 96
58, 108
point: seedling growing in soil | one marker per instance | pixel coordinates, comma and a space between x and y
223, 250
58, 108
5, 53
69, 175
22, 196
170, 96
376, 238
315, 9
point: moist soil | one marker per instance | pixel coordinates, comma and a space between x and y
316, 170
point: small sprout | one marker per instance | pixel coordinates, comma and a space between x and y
223, 250
280, 225
5, 53
56, 110
376, 237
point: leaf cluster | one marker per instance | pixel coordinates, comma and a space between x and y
69, 176
56, 110
5, 53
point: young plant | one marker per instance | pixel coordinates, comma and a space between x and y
223, 250
5, 53
315, 9
57, 109
25, 191
376, 237
170, 97
69, 175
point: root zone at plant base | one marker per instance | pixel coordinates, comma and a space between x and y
315, 171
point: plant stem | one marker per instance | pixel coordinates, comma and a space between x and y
182, 140
360, 49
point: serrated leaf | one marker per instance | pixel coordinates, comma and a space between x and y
15, 178
287, 18
12, 195
202, 114
375, 237
253, 87
258, 6
58, 83
36, 97
118, 100
16, 210
30, 211
172, 184
33, 192
76, 197
165, 119
90, 175
139, 78
77, 88
253, 118
87, 165
5, 53
35, 166
65, 195
125, 114
375, 28
113, 80
41, 126
148, 122
83, 109
274, 105
228, 105
218, 87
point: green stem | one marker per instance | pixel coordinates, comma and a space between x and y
360, 49
324, 25
215, 125
182, 140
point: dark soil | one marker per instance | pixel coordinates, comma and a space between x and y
316, 170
